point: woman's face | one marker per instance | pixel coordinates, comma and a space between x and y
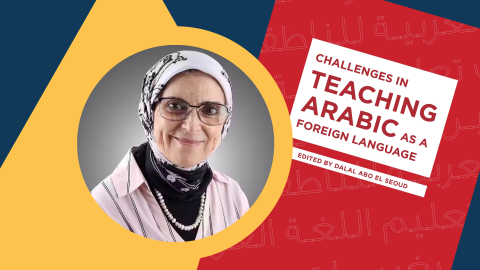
190, 141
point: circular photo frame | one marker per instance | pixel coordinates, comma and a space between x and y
277, 173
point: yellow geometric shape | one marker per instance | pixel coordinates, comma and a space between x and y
53, 222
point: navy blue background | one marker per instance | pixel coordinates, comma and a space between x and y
463, 11
36, 35
244, 22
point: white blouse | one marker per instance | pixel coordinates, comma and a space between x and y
126, 198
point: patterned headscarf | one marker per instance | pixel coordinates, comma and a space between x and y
153, 84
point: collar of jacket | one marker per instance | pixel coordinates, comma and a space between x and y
128, 177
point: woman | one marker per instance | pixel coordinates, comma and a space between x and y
165, 189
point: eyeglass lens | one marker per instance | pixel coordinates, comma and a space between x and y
209, 113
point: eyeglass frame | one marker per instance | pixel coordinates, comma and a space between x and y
158, 100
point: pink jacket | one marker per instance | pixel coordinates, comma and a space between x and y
126, 198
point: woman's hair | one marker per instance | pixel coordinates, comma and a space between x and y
193, 72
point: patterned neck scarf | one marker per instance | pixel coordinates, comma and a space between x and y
184, 180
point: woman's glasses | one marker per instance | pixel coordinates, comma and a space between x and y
209, 113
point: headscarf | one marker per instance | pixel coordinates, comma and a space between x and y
185, 180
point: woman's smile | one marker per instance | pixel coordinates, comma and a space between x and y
188, 142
